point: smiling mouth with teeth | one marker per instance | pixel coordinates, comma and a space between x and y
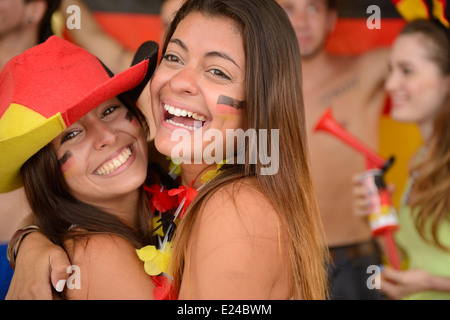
183, 118
115, 163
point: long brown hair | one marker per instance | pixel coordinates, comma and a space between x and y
274, 101
57, 211
431, 188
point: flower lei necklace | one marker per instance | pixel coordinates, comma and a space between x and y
157, 257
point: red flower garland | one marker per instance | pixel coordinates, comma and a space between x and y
160, 198
163, 200
184, 193
163, 289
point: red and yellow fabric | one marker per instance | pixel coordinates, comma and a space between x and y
45, 90
412, 9
419, 9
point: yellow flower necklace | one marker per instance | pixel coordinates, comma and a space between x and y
156, 258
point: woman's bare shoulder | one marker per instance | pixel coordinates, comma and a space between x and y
244, 196
236, 244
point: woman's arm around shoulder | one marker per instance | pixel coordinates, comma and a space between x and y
236, 248
108, 268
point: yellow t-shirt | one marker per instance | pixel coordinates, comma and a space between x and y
422, 254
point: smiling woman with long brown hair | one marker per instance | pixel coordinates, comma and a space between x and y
247, 234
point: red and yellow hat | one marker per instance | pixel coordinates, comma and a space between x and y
47, 88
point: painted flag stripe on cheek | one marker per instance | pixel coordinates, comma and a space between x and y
229, 105
66, 162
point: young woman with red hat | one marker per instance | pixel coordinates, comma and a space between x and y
71, 134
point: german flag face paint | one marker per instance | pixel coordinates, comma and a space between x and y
67, 162
229, 109
227, 105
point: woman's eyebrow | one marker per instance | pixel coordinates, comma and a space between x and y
221, 55
405, 64
209, 54
180, 43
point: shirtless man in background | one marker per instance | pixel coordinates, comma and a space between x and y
353, 86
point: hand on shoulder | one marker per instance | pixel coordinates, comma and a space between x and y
109, 269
